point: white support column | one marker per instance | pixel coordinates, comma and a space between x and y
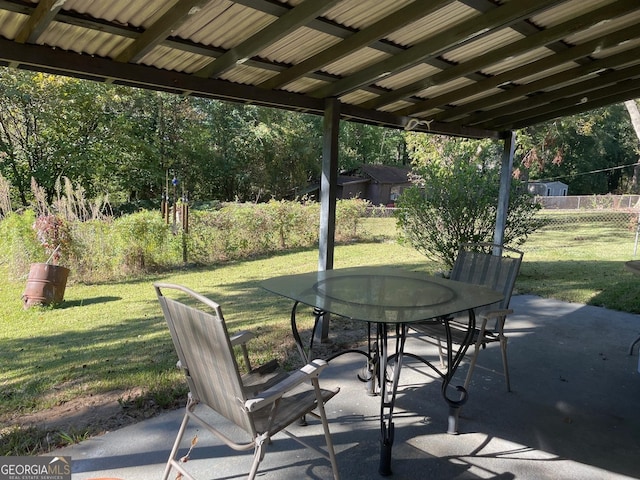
506, 169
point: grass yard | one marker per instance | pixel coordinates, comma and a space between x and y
112, 338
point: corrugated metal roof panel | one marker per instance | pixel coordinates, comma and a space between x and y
357, 60
392, 107
170, 59
517, 61
440, 89
295, 48
356, 97
433, 24
304, 85
234, 25
617, 49
246, 74
136, 13
408, 76
82, 40
546, 73
603, 28
360, 14
478, 96
10, 24
198, 27
482, 45
566, 11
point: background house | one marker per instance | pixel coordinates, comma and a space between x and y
386, 183
379, 184
548, 189
352, 186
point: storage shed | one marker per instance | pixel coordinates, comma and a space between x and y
548, 189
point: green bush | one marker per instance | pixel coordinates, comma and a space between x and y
107, 248
95, 250
144, 242
457, 203
348, 216
20, 246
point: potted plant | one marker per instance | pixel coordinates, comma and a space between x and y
47, 281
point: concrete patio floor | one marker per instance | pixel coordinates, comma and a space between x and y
574, 413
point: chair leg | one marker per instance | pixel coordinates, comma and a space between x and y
505, 363
258, 455
440, 352
325, 427
176, 444
472, 365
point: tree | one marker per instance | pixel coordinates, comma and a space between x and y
366, 144
585, 151
455, 198
634, 116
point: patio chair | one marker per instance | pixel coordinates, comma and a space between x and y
489, 265
260, 403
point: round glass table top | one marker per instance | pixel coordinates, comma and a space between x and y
381, 294
388, 291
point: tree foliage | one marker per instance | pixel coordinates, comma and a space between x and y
456, 196
584, 151
126, 142
129, 142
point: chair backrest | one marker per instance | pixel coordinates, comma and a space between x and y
202, 343
489, 265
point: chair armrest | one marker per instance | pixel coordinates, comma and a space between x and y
310, 370
499, 316
497, 313
241, 338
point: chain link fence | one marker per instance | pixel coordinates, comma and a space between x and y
608, 223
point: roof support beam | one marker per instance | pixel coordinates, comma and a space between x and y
578, 103
36, 57
536, 40
471, 29
546, 63
358, 40
59, 62
552, 81
565, 97
160, 30
39, 20
285, 24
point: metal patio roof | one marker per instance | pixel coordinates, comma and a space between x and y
468, 67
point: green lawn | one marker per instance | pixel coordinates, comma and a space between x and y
112, 336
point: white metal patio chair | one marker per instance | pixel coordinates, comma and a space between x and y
489, 265
261, 403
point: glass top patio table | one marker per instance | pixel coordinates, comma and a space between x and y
384, 296
381, 294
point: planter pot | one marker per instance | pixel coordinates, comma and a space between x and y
45, 285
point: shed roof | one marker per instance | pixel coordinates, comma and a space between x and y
466, 67
387, 173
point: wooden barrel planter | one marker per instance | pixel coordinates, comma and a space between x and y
45, 285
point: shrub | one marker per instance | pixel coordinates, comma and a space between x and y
95, 253
144, 241
348, 215
20, 247
457, 203
52, 231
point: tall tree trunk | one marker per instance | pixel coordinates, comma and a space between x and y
634, 114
